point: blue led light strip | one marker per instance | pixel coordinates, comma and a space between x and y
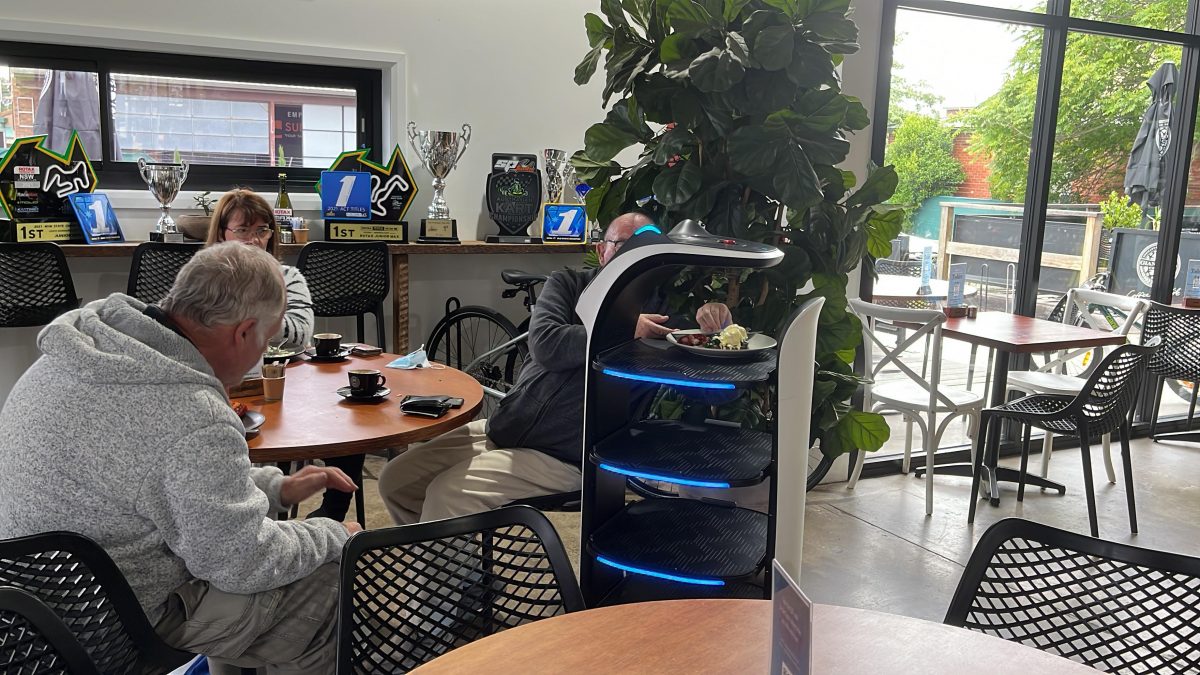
660, 575
669, 479
647, 228
668, 380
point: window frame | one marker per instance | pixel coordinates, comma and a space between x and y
111, 174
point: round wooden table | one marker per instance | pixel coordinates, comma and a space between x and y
896, 288
313, 421
734, 636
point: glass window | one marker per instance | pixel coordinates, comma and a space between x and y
36, 101
236, 123
1161, 14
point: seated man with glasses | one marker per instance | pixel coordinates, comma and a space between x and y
243, 215
532, 444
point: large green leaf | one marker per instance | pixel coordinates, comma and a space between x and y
626, 115
859, 430
591, 171
811, 65
603, 141
691, 18
832, 27
752, 150
878, 188
856, 115
594, 199
716, 70
598, 32
654, 93
614, 12
883, 225
732, 9
795, 178
677, 184
761, 20
773, 47
766, 92
587, 67
677, 47
677, 141
794, 9
639, 11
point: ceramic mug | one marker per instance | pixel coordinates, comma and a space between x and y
364, 383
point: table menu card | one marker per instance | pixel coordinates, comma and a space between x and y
958, 284
791, 625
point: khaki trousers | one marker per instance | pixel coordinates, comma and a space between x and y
461, 472
288, 630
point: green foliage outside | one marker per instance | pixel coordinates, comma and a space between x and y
1118, 211
1104, 95
749, 124
922, 151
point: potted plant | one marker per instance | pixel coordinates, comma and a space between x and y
194, 225
738, 113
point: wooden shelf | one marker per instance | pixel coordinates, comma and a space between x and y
468, 247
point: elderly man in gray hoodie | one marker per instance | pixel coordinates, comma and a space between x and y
122, 431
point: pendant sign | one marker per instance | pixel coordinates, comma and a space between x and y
389, 190
926, 271
35, 182
956, 295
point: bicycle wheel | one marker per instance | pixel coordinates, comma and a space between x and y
468, 333
818, 466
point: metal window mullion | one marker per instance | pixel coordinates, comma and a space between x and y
1041, 157
108, 124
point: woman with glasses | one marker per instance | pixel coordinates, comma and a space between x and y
242, 215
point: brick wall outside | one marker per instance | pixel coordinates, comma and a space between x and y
975, 169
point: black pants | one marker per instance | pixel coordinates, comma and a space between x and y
336, 503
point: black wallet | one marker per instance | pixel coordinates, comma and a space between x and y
429, 406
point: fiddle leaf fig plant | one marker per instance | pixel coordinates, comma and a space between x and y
737, 118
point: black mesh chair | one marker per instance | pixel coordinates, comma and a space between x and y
900, 268
1179, 356
76, 579
154, 268
34, 640
348, 279
35, 284
1116, 608
1103, 406
409, 594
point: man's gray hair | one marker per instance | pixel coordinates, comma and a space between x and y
227, 283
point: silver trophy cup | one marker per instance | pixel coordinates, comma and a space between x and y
556, 175
164, 180
439, 152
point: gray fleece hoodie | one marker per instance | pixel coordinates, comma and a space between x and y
122, 432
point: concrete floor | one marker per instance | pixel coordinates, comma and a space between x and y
873, 547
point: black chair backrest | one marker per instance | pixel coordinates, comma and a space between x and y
74, 577
345, 279
1179, 328
409, 594
35, 284
1110, 392
154, 268
34, 640
903, 268
1114, 607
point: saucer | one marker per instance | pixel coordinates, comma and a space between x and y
252, 420
380, 394
342, 355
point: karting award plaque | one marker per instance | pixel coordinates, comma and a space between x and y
513, 198
365, 201
35, 183
97, 218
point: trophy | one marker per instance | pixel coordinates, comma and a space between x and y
439, 152
164, 180
561, 221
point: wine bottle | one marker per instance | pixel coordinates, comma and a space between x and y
283, 202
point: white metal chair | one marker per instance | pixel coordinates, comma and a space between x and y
1095, 309
918, 398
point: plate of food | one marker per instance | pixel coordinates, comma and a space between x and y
251, 419
282, 353
731, 342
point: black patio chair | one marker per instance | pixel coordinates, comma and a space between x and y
35, 284
348, 279
901, 268
409, 594
73, 576
34, 640
1102, 406
154, 267
1116, 608
1179, 355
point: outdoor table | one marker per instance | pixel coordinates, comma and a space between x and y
894, 289
314, 422
734, 636
1010, 334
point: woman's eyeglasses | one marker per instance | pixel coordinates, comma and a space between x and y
249, 232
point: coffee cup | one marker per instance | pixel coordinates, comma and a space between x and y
366, 382
327, 344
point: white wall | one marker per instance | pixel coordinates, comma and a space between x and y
506, 68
